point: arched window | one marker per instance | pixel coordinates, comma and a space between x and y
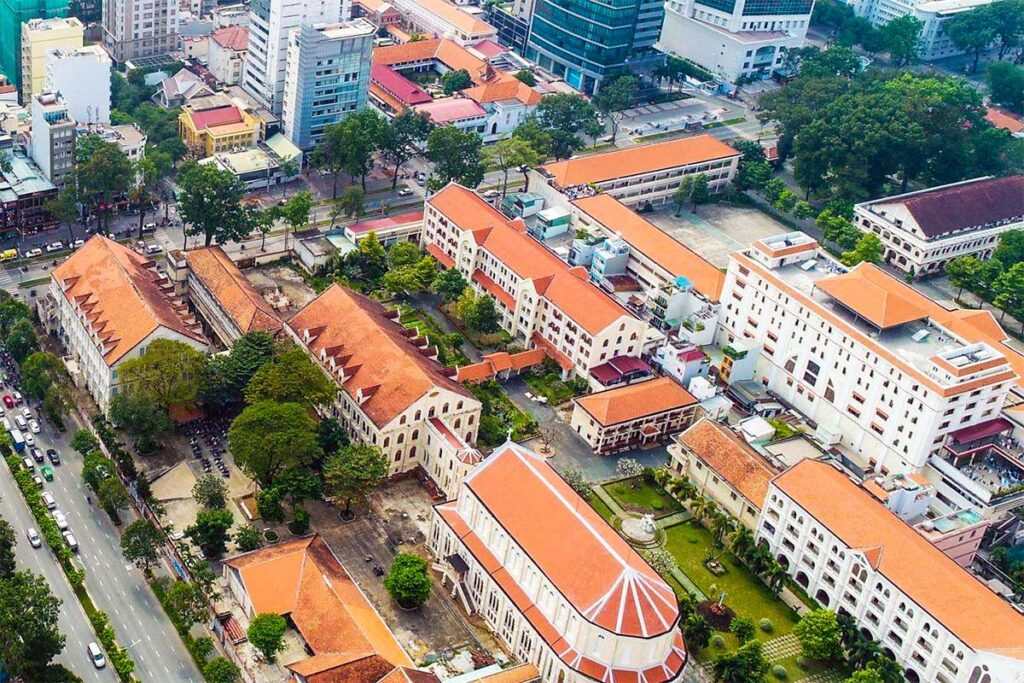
401, 438
419, 414
458, 423
415, 434
401, 420
458, 406
387, 441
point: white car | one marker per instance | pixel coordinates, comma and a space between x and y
77, 244
62, 521
49, 500
28, 463
154, 249
33, 538
54, 246
32, 253
491, 194
20, 422
404, 192
33, 426
7, 424
26, 412
96, 655
29, 439
70, 539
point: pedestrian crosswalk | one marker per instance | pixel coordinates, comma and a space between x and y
7, 282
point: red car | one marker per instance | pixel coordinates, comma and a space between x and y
8, 400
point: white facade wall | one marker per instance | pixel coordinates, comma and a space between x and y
82, 77
430, 23
843, 579
139, 28
506, 620
225, 63
854, 386
934, 44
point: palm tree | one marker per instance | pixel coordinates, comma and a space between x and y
662, 476
760, 558
682, 488
863, 650
710, 510
721, 524
699, 505
743, 542
847, 629
775, 576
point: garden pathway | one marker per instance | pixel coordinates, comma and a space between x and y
782, 647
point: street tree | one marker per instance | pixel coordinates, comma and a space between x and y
693, 189
455, 80
902, 38
565, 116
29, 633
210, 531
838, 229
38, 373
170, 372
11, 311
330, 155
142, 419
112, 496
408, 581
221, 670
106, 176
210, 203
456, 155
352, 473
141, 542
148, 172
295, 213
869, 249
22, 341
614, 98
352, 201
362, 133
269, 437
1006, 85
1010, 249
291, 377
403, 133
185, 603
261, 220
509, 154
538, 138
971, 32
8, 541
83, 441
450, 284
266, 633
1009, 289
819, 635
211, 492
64, 209
1007, 17
963, 272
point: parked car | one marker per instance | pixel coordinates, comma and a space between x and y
62, 521
17, 398
7, 424
49, 500
8, 400
53, 456
34, 539
47, 472
38, 481
77, 244
32, 253
491, 194
69, 538
96, 655
149, 227
20, 422
54, 246
26, 412
404, 192
33, 427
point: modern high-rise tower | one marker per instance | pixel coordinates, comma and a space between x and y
14, 13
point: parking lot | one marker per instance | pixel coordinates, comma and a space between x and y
667, 117
717, 230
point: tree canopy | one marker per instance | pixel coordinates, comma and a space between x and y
169, 372
565, 116
210, 203
456, 155
408, 581
29, 634
353, 472
269, 437
291, 377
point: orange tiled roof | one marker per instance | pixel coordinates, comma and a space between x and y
448, 52
380, 359
464, 21
634, 401
303, 579
632, 161
649, 239
733, 460
615, 589
243, 304
1007, 120
509, 88
960, 602
564, 287
501, 361
869, 292
125, 297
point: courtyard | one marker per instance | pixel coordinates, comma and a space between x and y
717, 230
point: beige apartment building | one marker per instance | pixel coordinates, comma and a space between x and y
38, 37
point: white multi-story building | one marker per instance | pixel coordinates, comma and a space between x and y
442, 19
53, 137
139, 28
82, 77
227, 50
923, 231
270, 24
933, 42
327, 77
854, 556
107, 303
394, 394
637, 176
555, 583
541, 301
885, 373
38, 38
129, 138
735, 38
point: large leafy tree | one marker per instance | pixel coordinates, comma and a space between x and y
513, 153
744, 665
140, 542
185, 603
210, 203
169, 372
869, 249
902, 38
270, 437
105, 176
295, 212
221, 670
8, 540
291, 377
330, 155
819, 635
22, 341
1010, 249
143, 420
266, 633
38, 373
228, 374
963, 272
1009, 291
210, 531
531, 132
362, 132
566, 116
450, 284
408, 581
614, 97
971, 32
211, 492
456, 155
353, 472
454, 81
29, 633
1006, 85
403, 133
64, 208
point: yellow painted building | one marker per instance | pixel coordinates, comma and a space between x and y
38, 37
219, 129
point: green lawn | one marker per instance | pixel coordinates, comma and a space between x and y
690, 544
601, 508
500, 415
795, 673
643, 498
413, 318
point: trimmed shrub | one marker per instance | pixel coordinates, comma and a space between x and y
779, 672
766, 625
718, 641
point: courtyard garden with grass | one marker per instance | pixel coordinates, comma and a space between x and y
448, 345
499, 415
546, 381
639, 496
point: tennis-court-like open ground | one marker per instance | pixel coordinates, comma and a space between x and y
717, 230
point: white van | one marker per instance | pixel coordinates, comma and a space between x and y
96, 655
62, 521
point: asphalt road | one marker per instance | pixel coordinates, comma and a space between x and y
73, 623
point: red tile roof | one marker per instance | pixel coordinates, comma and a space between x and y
232, 37
447, 52
509, 88
384, 224
868, 293
958, 600
635, 401
382, 364
451, 110
1005, 119
397, 85
736, 462
211, 118
122, 297
244, 305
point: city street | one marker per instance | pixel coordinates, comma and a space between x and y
116, 586
72, 621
